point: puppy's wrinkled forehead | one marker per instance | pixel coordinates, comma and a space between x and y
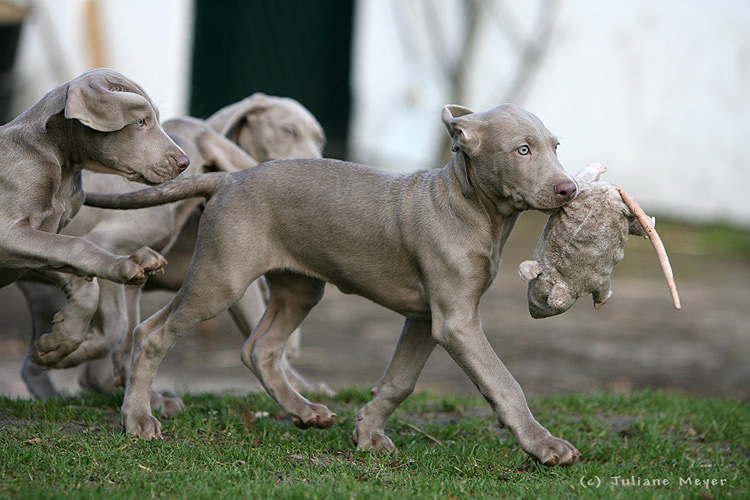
509, 124
294, 111
121, 83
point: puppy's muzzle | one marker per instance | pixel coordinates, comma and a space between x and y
182, 162
566, 191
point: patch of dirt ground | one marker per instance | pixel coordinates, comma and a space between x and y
636, 340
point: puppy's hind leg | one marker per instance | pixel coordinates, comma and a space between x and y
152, 339
108, 327
291, 298
412, 351
43, 301
71, 323
247, 313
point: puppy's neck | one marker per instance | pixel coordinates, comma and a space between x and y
463, 170
471, 202
73, 152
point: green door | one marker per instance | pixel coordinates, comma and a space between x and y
290, 48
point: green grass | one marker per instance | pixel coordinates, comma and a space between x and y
719, 239
450, 447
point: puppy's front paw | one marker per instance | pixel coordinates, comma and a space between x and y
90, 349
52, 348
315, 416
372, 441
136, 268
143, 425
150, 260
553, 451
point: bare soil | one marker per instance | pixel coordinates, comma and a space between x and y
637, 340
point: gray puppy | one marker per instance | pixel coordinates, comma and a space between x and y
268, 126
582, 243
426, 245
100, 121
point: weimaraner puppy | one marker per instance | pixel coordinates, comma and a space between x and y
268, 128
100, 121
265, 125
119, 232
426, 245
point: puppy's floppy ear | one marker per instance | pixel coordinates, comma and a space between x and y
228, 120
461, 128
463, 173
104, 105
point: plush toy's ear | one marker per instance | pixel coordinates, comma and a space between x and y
461, 127
103, 105
529, 270
590, 173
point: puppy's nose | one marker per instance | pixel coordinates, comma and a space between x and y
566, 190
182, 162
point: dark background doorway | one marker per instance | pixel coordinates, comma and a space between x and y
290, 48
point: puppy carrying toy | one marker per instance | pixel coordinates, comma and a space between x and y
582, 243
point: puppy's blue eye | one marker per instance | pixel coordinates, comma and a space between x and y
523, 150
140, 123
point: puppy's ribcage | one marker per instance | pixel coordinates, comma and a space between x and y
345, 227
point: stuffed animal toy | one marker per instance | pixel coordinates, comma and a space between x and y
581, 244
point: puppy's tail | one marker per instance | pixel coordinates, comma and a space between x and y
203, 185
653, 236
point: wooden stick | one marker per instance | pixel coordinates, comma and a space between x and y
653, 236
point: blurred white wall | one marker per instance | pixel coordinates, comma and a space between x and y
148, 41
657, 91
